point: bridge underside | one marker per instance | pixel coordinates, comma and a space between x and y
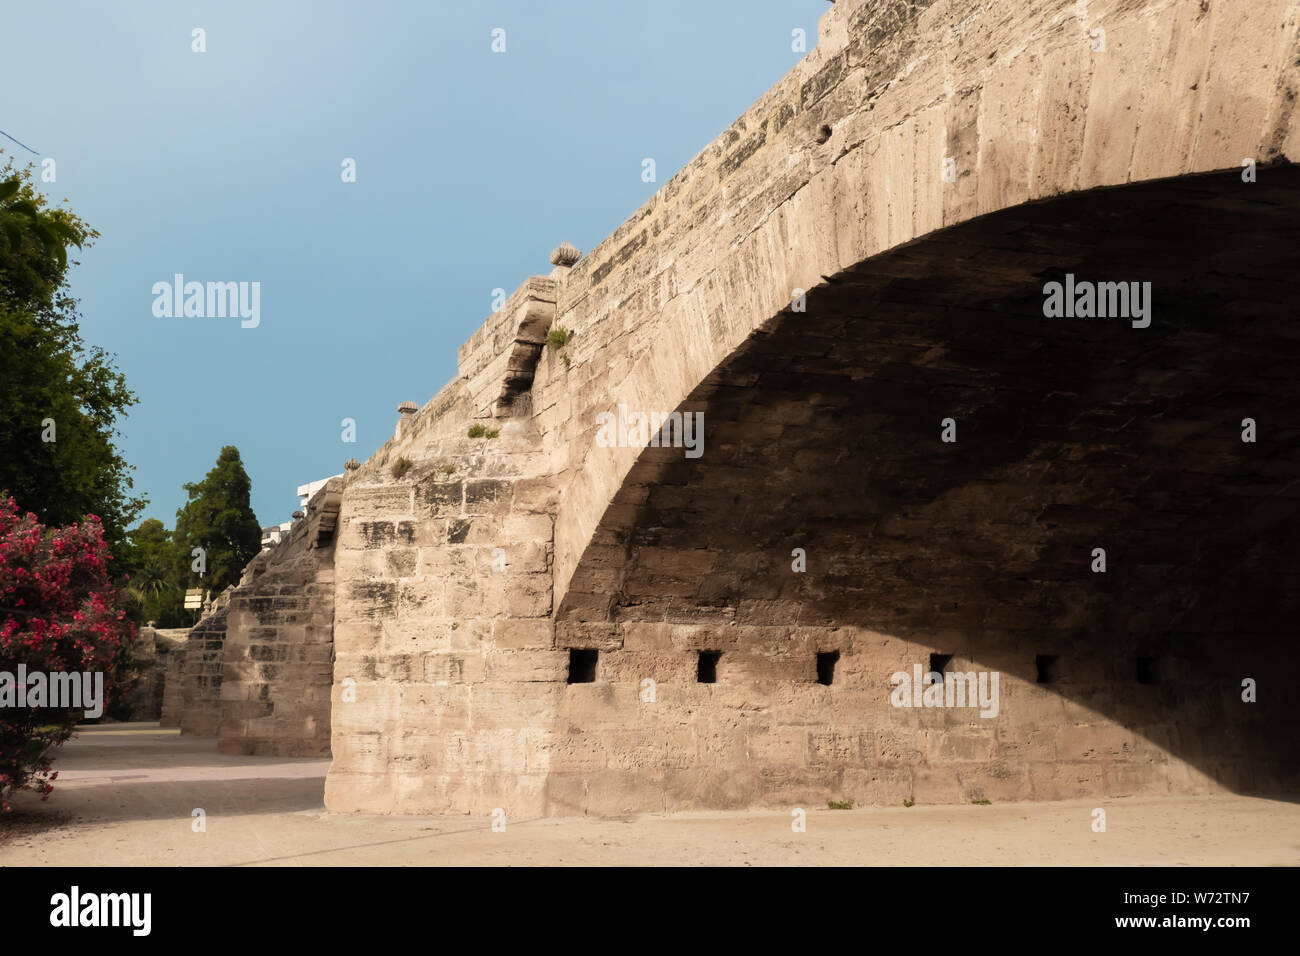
823, 433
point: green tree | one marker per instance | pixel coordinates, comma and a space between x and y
157, 583
61, 399
218, 519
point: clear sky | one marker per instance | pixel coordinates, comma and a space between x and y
471, 166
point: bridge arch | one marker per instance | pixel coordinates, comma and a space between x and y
1011, 100
919, 178
829, 516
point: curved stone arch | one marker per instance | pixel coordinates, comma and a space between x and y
845, 159
826, 435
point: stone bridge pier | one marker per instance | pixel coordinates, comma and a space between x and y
911, 458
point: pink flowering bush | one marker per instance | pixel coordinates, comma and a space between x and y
59, 612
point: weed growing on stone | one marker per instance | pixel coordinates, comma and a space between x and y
401, 466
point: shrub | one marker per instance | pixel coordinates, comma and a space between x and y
482, 431
558, 337
59, 612
401, 466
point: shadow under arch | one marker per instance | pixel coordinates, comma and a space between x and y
823, 433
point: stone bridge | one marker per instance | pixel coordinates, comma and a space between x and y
906, 462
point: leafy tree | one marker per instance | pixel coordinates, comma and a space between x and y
61, 399
219, 519
156, 582
59, 613
33, 243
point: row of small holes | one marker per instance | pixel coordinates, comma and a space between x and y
582, 667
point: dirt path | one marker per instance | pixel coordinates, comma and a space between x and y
126, 792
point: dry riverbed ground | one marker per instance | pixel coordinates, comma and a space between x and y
125, 793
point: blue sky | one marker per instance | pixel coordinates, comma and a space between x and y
471, 166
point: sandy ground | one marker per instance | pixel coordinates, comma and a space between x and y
126, 791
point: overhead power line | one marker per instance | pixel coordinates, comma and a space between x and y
23, 145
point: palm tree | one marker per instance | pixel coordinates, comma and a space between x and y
150, 581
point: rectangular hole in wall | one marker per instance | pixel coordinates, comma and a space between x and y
582, 665
938, 664
1147, 671
1048, 665
706, 669
826, 666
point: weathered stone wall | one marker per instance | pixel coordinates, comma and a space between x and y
444, 641
256, 668
153, 655
198, 697
277, 660
173, 670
